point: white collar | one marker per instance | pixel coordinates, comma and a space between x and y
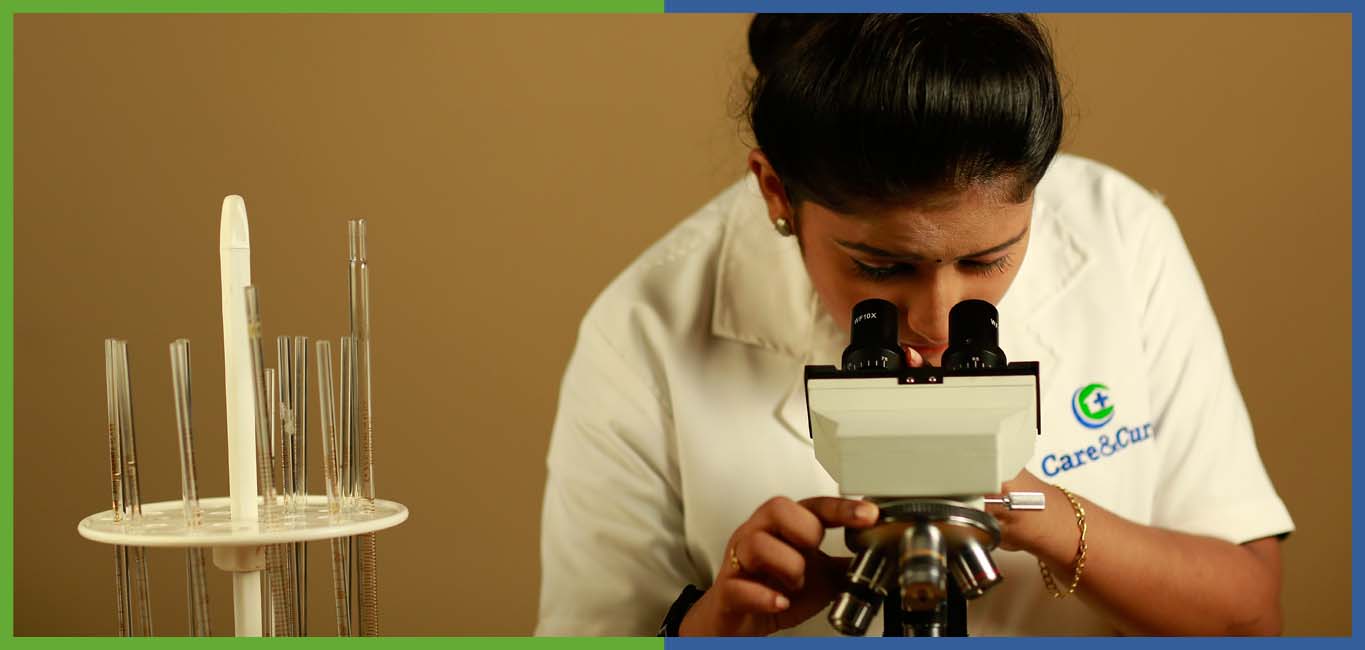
763, 294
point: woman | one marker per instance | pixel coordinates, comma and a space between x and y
911, 158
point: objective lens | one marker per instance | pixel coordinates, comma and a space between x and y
854, 609
974, 569
923, 568
851, 614
874, 338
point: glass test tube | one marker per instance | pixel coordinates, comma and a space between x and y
198, 605
360, 330
264, 469
131, 490
330, 475
300, 458
123, 606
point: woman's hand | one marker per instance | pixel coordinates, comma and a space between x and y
1032, 530
775, 575
912, 356
1208, 586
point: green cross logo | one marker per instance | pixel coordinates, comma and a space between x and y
1092, 405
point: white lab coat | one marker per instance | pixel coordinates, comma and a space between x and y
682, 408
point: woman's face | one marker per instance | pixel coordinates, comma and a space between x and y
923, 258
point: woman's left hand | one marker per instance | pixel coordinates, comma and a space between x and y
1033, 530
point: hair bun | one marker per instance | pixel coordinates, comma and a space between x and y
772, 35
863, 110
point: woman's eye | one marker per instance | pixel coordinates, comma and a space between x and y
878, 272
976, 267
986, 268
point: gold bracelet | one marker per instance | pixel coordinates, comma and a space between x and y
1080, 551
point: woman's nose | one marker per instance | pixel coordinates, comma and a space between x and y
926, 310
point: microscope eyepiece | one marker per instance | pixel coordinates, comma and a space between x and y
874, 338
973, 337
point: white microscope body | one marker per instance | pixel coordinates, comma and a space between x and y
925, 435
931, 446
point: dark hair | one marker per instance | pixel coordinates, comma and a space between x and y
874, 110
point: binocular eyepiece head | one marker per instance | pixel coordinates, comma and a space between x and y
874, 337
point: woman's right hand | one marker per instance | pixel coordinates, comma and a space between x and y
774, 575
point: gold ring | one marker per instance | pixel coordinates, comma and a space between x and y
734, 559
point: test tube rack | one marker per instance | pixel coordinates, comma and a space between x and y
233, 526
238, 545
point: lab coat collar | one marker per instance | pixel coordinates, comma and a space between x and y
764, 296
1052, 266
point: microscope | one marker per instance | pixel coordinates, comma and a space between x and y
931, 447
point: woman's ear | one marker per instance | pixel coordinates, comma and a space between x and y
774, 194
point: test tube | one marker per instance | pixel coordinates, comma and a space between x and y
260, 382
348, 456
281, 469
180, 384
284, 360
282, 582
360, 331
131, 491
198, 606
288, 423
273, 427
270, 589
264, 468
326, 413
123, 606
330, 475
129, 436
345, 454
300, 457
115, 430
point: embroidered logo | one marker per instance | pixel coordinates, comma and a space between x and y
1092, 405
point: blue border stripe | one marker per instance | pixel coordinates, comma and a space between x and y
1083, 643
1047, 6
1357, 276
1357, 273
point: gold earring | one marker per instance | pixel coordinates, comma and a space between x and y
783, 228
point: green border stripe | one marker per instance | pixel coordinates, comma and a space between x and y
335, 6
8, 9
442, 643
7, 325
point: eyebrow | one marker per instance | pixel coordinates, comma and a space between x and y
915, 257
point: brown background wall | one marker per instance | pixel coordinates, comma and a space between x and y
510, 166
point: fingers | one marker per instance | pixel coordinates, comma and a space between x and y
790, 521
774, 543
912, 356
774, 557
763, 554
802, 524
834, 512
740, 596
